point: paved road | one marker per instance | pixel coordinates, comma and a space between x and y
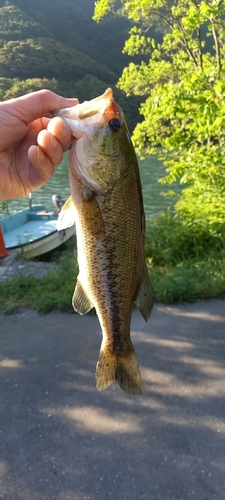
62, 439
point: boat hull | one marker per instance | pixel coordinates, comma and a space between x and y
33, 232
46, 244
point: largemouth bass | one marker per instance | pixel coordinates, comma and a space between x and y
110, 227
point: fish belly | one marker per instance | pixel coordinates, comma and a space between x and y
111, 261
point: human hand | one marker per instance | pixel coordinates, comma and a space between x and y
31, 145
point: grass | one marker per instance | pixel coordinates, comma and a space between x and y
189, 281
54, 291
185, 264
186, 261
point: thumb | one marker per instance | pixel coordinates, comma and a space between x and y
38, 104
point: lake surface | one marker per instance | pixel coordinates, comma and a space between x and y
151, 170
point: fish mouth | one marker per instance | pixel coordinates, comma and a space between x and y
103, 104
96, 105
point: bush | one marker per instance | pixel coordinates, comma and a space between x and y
171, 241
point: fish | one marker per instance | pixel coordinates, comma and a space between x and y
107, 205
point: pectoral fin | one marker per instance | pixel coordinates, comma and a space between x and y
66, 216
92, 215
144, 299
80, 300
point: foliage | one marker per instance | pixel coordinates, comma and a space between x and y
190, 281
15, 24
184, 90
70, 22
47, 58
21, 87
186, 261
54, 291
171, 241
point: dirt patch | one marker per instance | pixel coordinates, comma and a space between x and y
11, 266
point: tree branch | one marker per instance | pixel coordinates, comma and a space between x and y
199, 36
217, 47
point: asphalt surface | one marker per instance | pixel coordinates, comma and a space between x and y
62, 439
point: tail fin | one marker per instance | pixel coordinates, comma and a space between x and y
121, 368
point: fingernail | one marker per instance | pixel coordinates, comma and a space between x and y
72, 101
54, 142
40, 154
64, 130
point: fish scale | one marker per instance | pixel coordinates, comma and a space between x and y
115, 272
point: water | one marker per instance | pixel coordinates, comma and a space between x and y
151, 170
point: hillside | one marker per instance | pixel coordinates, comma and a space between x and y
70, 21
47, 58
55, 44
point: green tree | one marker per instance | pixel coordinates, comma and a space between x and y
20, 87
182, 79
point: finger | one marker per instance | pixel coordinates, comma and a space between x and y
50, 146
38, 104
61, 131
41, 169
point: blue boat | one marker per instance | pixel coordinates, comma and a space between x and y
33, 231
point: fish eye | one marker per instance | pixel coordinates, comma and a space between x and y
115, 125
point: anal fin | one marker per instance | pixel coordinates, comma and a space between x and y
81, 302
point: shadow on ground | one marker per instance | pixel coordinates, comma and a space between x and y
62, 439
